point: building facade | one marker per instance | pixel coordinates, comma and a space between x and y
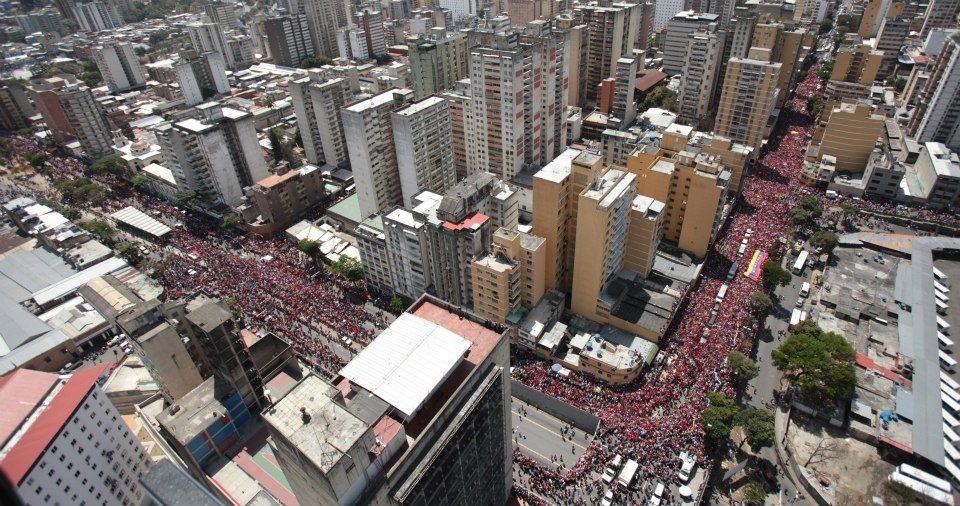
119, 66
749, 96
422, 135
317, 102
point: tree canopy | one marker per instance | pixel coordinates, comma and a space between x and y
127, 251
742, 366
758, 426
110, 164
774, 275
820, 364
99, 228
824, 240
760, 303
716, 418
348, 268
314, 61
310, 248
661, 97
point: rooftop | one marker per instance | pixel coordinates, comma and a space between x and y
209, 315
21, 391
197, 410
558, 169
321, 428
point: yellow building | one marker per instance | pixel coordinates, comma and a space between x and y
749, 96
510, 277
854, 70
551, 213
643, 236
848, 131
692, 183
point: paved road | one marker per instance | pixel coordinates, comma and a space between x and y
540, 435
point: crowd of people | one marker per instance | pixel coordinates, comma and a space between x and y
657, 417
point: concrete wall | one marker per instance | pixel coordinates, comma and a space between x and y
575, 416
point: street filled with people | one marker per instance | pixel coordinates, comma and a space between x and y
657, 417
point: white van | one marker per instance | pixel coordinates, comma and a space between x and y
658, 492
805, 289
687, 469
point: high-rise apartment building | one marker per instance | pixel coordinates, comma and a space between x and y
43, 93
317, 101
603, 219
677, 39
749, 96
215, 154
577, 44
422, 137
937, 117
240, 50
643, 237
458, 105
223, 14
289, 39
119, 66
699, 77
554, 219
939, 14
873, 13
427, 422
848, 132
692, 185
324, 18
624, 110
96, 16
509, 278
854, 71
15, 107
87, 119
515, 116
437, 61
406, 245
664, 11
372, 243
201, 76
611, 35
63, 441
371, 23
373, 156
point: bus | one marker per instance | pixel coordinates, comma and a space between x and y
795, 317
925, 477
922, 488
800, 263
722, 293
629, 471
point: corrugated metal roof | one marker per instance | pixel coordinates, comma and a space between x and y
19, 325
22, 274
21, 391
406, 363
137, 219
71, 284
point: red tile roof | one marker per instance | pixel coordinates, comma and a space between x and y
35, 441
648, 79
20, 392
467, 223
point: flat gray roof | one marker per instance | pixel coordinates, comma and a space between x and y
22, 274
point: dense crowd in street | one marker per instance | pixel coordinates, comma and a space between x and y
656, 418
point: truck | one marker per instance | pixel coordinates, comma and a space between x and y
628, 473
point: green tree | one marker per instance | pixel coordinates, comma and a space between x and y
824, 240
758, 426
754, 493
91, 79
308, 247
826, 25
110, 164
825, 70
741, 366
716, 418
348, 268
186, 199
231, 221
127, 251
71, 213
314, 61
661, 97
35, 159
849, 210
99, 228
799, 217
298, 138
774, 275
276, 144
398, 304
820, 364
760, 303
140, 182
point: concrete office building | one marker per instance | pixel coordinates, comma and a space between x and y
938, 175
201, 76
692, 183
848, 132
223, 14
937, 117
422, 137
317, 101
63, 441
890, 39
215, 154
87, 120
462, 11
677, 39
373, 156
665, 11
288, 38
119, 66
508, 280
611, 34
437, 61
207, 37
43, 93
432, 427
406, 246
240, 50
643, 236
371, 23
749, 96
699, 75
324, 18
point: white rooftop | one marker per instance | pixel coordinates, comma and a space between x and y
558, 169
407, 362
138, 219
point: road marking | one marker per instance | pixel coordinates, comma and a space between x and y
544, 458
561, 436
